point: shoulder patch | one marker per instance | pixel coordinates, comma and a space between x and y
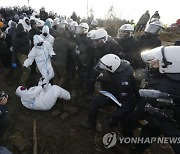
124, 94
124, 83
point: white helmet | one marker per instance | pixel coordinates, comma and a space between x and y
154, 27
168, 58
91, 33
69, 20
56, 21
82, 28
110, 62
127, 27
73, 26
94, 23
64, 22
125, 31
100, 34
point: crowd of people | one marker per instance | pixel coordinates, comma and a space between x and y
62, 50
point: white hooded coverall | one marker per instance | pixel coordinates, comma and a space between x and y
38, 98
42, 56
49, 38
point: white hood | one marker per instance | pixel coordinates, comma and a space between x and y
20, 92
37, 39
45, 30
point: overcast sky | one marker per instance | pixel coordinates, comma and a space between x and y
124, 9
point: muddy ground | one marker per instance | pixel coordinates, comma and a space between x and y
60, 132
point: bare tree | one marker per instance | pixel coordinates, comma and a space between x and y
111, 12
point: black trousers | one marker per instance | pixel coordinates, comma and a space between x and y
4, 122
101, 101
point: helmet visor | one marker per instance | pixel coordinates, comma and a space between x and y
99, 66
153, 29
123, 33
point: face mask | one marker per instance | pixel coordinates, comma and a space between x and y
27, 22
45, 34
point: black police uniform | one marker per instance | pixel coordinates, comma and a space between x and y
146, 41
110, 47
120, 84
129, 46
158, 124
82, 42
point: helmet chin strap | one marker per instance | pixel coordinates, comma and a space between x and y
166, 63
108, 67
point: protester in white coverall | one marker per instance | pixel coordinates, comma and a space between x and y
41, 53
41, 97
26, 23
46, 36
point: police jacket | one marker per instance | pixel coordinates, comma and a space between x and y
146, 41
167, 83
120, 84
149, 41
164, 83
111, 46
130, 47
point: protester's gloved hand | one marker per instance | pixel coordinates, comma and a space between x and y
14, 65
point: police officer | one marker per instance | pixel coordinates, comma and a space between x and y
149, 40
160, 115
102, 44
117, 80
129, 44
82, 42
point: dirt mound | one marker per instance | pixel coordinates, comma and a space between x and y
169, 36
